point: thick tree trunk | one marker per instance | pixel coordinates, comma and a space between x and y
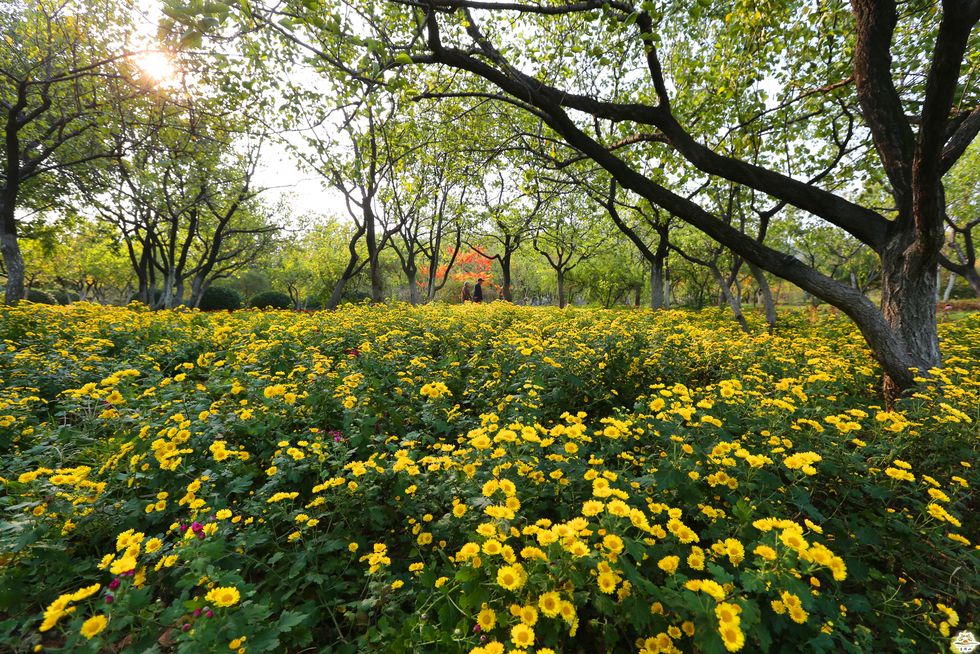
766, 292
657, 283
413, 288
374, 259
507, 291
197, 290
908, 304
561, 289
13, 261
338, 291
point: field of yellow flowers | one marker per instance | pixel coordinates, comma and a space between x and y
479, 479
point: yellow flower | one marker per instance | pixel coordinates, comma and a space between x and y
223, 596
86, 592
510, 577
522, 635
732, 637
607, 582
94, 626
528, 615
550, 604
486, 618
728, 613
669, 564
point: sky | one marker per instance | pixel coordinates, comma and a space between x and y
279, 172
302, 191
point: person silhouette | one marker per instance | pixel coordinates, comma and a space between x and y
478, 291
467, 294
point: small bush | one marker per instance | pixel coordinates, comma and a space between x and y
220, 298
64, 296
271, 300
354, 296
40, 297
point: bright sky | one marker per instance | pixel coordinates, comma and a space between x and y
302, 191
278, 171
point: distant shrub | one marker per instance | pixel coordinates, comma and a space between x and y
64, 296
312, 304
354, 296
220, 298
271, 300
40, 297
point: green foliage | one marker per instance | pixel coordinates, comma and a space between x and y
220, 298
271, 300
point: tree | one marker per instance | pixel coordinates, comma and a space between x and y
59, 70
567, 235
182, 197
963, 217
84, 257
356, 157
427, 196
507, 219
914, 154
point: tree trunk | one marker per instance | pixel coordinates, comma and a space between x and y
908, 304
657, 283
197, 290
505, 268
561, 288
766, 292
349, 271
413, 288
13, 260
973, 279
949, 287
732, 300
374, 259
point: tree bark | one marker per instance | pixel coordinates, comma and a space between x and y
950, 283
973, 279
413, 288
13, 260
561, 288
374, 256
505, 273
656, 286
766, 292
732, 299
